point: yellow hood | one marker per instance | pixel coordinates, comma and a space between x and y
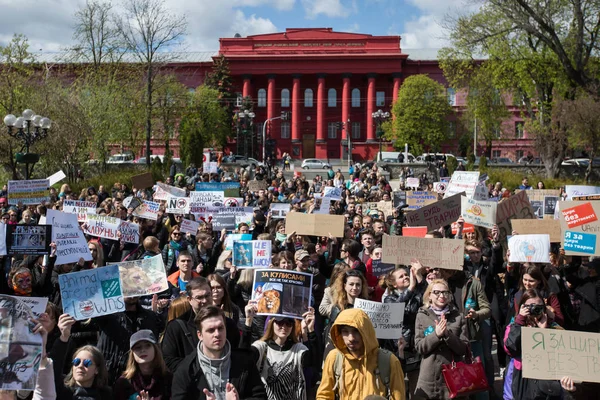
357, 319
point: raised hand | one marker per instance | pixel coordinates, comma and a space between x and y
65, 323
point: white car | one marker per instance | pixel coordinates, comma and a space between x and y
313, 163
120, 159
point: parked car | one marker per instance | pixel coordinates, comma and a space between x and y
142, 160
582, 162
120, 159
244, 161
502, 160
525, 160
313, 163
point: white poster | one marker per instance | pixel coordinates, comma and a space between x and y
69, 239
130, 232
147, 210
36, 304
81, 208
189, 226
2, 239
462, 181
57, 177
36, 191
178, 205
334, 193
386, 317
102, 226
206, 199
580, 190
479, 212
279, 210
529, 248
163, 191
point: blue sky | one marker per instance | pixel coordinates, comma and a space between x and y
49, 23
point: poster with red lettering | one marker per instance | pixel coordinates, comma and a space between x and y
579, 215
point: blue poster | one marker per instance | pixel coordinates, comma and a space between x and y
236, 236
216, 186
580, 242
92, 293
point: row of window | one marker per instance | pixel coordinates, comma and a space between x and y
309, 98
332, 130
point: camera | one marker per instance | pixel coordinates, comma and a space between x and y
536, 310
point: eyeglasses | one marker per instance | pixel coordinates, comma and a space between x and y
344, 250
176, 233
86, 363
285, 322
201, 298
446, 293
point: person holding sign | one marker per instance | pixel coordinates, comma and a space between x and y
532, 313
281, 355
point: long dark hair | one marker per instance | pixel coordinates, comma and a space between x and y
226, 301
536, 273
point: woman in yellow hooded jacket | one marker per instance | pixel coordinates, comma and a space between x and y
359, 371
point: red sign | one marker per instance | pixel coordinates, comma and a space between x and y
466, 228
414, 231
579, 215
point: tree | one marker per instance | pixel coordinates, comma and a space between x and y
148, 29
205, 123
220, 79
420, 115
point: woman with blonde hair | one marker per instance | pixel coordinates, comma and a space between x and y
327, 302
88, 378
97, 254
146, 373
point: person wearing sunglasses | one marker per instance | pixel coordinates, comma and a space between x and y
281, 352
440, 337
88, 378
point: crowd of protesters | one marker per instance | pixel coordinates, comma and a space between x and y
202, 339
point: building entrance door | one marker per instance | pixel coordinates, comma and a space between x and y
308, 146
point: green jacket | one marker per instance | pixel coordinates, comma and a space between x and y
473, 297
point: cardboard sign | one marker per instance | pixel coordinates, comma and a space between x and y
255, 186
416, 200
384, 207
37, 305
92, 293
147, 210
438, 253
143, 277
550, 354
251, 253
102, 226
529, 227
28, 239
479, 212
436, 215
414, 231
381, 268
387, 318
216, 186
163, 191
399, 198
529, 248
189, 226
315, 224
130, 232
539, 194
513, 207
56, 177
462, 181
178, 205
580, 240
81, 208
20, 347
279, 210
143, 181
579, 215
282, 293
70, 242
206, 199
580, 190
412, 183
36, 191
236, 237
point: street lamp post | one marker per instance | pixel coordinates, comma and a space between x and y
248, 117
379, 117
27, 128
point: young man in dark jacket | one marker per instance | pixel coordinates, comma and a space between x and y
209, 372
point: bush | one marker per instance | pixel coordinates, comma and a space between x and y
121, 175
483, 164
512, 180
451, 163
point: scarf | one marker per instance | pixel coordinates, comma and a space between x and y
439, 313
175, 245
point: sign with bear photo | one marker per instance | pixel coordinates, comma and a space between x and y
282, 293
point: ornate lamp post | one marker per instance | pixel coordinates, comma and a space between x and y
379, 117
28, 128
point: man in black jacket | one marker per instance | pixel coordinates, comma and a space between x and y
209, 372
181, 337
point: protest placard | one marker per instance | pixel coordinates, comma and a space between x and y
70, 241
206, 199
147, 210
418, 199
142, 181
143, 277
20, 348
216, 186
481, 192
322, 205
514, 207
435, 253
550, 354
440, 187
412, 183
386, 318
530, 227
384, 208
414, 231
579, 215
255, 186
210, 167
332, 192
538, 208
92, 293
529, 248
279, 210
37, 305
221, 221
539, 194
2, 239
467, 228
34, 191
437, 214
81, 208
56, 177
189, 226
315, 224
178, 205
580, 190
462, 181
233, 202
230, 238
580, 239
479, 212
251, 253
28, 239
282, 292
162, 191
381, 268
130, 232
102, 226
240, 214
399, 198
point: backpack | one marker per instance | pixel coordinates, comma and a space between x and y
383, 370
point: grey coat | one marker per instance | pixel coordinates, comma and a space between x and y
436, 352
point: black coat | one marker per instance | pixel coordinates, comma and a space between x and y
189, 381
177, 343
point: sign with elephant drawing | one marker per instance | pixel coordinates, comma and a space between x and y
282, 293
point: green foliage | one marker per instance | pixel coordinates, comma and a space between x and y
420, 113
470, 159
108, 179
511, 180
451, 163
483, 163
220, 79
